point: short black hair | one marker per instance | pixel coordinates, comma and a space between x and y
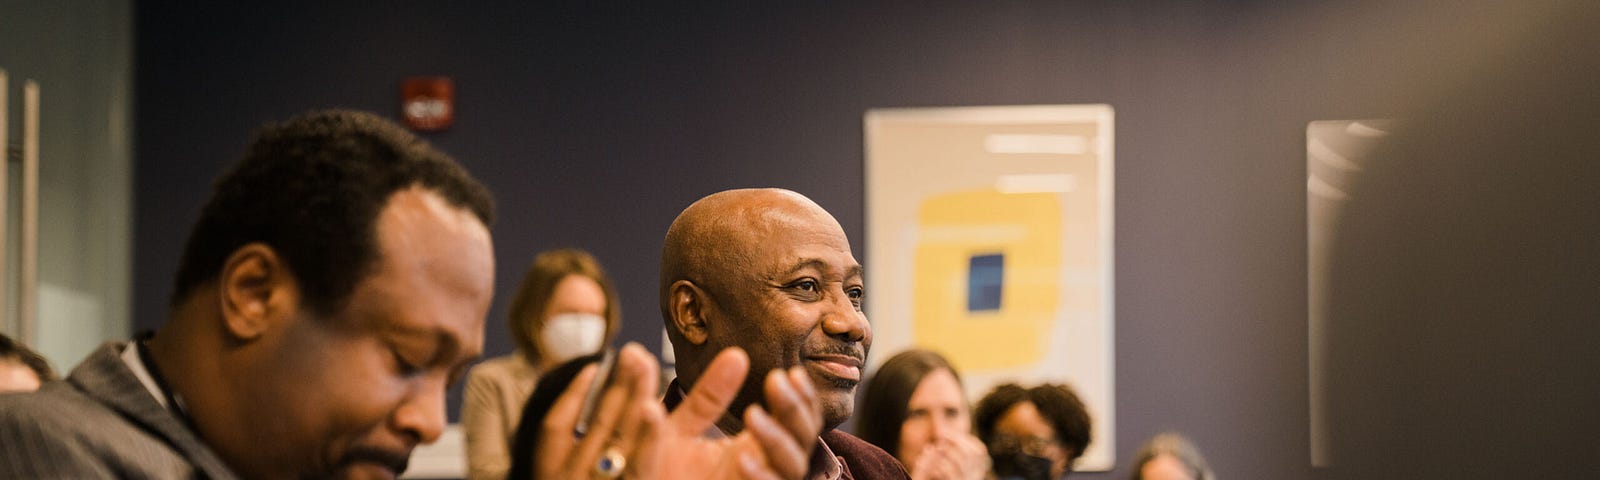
1057, 403
12, 350
311, 188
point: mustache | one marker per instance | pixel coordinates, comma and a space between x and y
394, 461
853, 350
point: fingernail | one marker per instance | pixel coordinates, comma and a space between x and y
802, 380
759, 415
784, 388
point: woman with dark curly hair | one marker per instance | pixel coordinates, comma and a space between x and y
1033, 433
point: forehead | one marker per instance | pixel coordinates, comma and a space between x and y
1024, 419
16, 376
783, 238
575, 292
937, 386
435, 272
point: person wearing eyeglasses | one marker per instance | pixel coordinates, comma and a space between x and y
1033, 433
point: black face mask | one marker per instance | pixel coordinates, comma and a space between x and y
1021, 466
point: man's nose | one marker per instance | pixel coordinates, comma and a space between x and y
844, 321
422, 416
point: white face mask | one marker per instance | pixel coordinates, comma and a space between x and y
572, 335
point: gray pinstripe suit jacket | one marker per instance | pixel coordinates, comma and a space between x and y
99, 423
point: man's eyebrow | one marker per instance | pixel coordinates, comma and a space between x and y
459, 369
807, 263
445, 344
449, 348
853, 271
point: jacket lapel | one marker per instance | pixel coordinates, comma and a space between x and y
104, 377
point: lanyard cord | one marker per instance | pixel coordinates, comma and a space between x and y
174, 402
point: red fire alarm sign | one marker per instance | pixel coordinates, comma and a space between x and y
428, 103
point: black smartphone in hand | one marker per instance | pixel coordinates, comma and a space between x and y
591, 399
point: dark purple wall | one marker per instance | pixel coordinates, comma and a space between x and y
595, 123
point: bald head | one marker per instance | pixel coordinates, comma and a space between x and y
709, 243
770, 271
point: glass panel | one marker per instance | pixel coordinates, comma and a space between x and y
80, 54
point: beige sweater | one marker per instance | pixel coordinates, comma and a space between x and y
495, 392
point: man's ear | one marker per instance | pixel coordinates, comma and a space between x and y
687, 307
256, 291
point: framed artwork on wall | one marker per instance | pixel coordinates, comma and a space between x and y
989, 239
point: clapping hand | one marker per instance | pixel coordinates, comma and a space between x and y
631, 434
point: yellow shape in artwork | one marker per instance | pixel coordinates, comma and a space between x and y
987, 281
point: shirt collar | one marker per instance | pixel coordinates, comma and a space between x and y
130, 356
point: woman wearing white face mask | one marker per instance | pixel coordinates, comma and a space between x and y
564, 309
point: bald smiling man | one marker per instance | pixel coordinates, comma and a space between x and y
770, 271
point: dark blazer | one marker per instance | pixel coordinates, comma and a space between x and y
861, 460
100, 422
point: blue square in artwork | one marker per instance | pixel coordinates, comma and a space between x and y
985, 278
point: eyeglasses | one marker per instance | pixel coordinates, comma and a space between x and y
1036, 446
